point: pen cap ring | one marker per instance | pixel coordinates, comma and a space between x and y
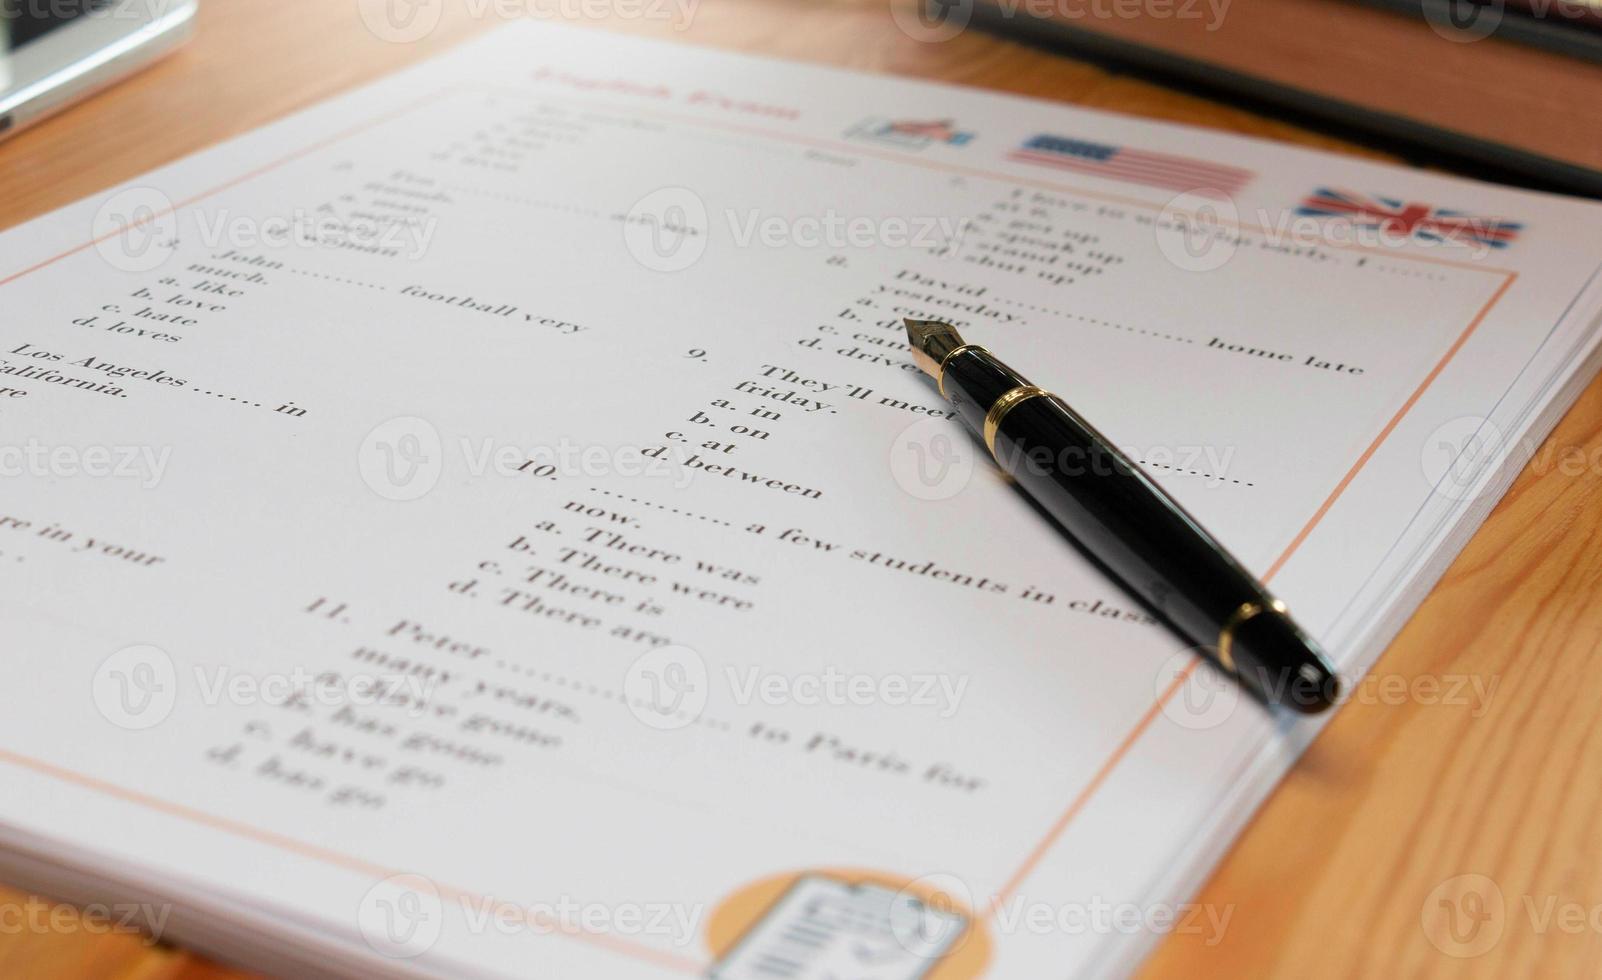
940, 370
1265, 648
1244, 613
1001, 406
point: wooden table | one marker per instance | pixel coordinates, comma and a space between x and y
1340, 868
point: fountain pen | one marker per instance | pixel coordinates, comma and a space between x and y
1127, 524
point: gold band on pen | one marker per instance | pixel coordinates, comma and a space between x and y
940, 372
1238, 618
1002, 406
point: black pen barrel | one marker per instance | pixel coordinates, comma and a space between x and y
1139, 534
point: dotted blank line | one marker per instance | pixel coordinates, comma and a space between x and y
1100, 323
218, 394
529, 201
1201, 473
596, 691
1429, 274
674, 510
340, 279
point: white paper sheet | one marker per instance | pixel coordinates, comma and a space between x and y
490, 522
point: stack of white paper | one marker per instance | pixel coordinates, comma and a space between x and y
489, 524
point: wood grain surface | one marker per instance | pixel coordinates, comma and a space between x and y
1381, 59
1355, 866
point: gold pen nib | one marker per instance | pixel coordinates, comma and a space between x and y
931, 341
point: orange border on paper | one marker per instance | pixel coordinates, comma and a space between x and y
1076, 806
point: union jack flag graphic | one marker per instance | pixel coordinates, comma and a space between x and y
1165, 170
1397, 216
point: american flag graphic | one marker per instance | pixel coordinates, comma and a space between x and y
1402, 218
1164, 170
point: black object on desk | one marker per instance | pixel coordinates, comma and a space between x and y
1118, 516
